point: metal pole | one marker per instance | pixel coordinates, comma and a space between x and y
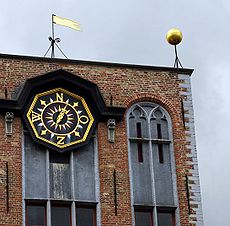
115, 190
60, 49
176, 59
52, 42
7, 187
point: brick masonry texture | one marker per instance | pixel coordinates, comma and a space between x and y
193, 175
127, 85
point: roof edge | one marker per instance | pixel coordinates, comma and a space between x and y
98, 63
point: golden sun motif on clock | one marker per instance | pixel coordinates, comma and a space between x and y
60, 118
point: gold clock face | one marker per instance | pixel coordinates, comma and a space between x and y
60, 118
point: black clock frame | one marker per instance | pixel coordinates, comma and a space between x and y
68, 81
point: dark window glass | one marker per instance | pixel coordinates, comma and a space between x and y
35, 215
139, 143
159, 135
60, 216
140, 151
165, 219
143, 218
86, 217
62, 158
160, 153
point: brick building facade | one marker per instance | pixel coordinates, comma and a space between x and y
148, 173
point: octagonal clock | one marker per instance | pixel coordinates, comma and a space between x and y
60, 118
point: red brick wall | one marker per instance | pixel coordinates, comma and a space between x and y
10, 151
127, 86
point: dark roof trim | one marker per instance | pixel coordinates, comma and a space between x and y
97, 63
9, 105
116, 113
62, 76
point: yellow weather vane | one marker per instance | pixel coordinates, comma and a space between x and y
64, 22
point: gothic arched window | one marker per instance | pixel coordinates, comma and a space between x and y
152, 167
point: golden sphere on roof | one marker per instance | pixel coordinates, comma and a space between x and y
174, 36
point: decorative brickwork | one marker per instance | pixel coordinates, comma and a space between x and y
196, 216
127, 85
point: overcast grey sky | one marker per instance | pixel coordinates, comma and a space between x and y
133, 31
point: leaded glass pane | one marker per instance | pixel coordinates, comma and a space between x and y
60, 216
85, 216
60, 185
163, 175
141, 175
143, 218
165, 219
35, 215
35, 169
84, 173
138, 115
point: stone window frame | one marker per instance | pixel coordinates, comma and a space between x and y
73, 203
155, 208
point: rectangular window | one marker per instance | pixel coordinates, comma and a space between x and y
86, 216
60, 216
53, 177
35, 215
166, 218
143, 218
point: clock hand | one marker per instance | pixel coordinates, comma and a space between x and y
61, 115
